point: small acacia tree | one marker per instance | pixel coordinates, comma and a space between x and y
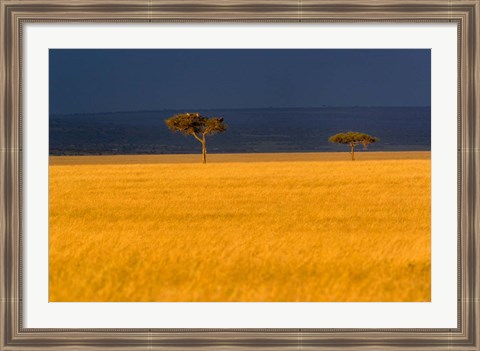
198, 126
353, 139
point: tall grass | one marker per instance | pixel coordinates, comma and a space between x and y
258, 231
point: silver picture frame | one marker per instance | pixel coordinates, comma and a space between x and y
15, 14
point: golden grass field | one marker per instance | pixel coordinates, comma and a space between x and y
268, 227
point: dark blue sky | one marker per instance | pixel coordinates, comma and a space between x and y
91, 80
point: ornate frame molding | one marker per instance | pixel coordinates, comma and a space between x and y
15, 13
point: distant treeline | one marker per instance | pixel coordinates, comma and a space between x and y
250, 130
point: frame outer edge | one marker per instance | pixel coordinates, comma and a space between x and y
469, 155
10, 183
3, 86
6, 249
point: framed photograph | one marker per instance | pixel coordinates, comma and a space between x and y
246, 175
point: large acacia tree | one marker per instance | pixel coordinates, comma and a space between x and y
198, 126
353, 139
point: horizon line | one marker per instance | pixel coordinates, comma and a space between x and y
232, 109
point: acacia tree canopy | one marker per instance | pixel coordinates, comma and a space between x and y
198, 126
353, 139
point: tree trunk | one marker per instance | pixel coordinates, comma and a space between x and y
204, 151
352, 151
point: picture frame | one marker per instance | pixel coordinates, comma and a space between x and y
14, 14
